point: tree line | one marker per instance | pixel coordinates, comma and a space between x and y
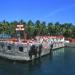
38, 28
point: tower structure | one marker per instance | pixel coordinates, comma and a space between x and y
19, 29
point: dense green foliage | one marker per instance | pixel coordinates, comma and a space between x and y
39, 28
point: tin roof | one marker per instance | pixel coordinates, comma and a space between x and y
4, 36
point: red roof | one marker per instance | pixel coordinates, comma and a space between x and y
50, 36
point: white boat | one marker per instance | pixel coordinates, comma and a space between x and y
31, 49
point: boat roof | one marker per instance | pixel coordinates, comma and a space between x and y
49, 36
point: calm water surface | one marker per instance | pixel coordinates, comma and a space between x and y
60, 62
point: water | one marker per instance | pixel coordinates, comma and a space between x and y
60, 62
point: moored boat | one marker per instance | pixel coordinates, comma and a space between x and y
29, 49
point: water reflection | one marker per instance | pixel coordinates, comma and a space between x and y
33, 66
34, 63
58, 52
58, 62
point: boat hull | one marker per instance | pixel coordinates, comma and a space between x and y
16, 54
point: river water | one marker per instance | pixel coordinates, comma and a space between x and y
59, 62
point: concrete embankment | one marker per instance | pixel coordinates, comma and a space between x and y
72, 45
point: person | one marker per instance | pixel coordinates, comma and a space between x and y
40, 50
33, 51
51, 47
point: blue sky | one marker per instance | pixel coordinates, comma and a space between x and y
43, 10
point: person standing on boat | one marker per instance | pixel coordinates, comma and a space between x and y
51, 47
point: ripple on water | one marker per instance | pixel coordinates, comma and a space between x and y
59, 62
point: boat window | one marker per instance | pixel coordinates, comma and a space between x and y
21, 49
9, 47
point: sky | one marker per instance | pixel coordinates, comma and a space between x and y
44, 10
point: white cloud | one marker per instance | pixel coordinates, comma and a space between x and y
59, 10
